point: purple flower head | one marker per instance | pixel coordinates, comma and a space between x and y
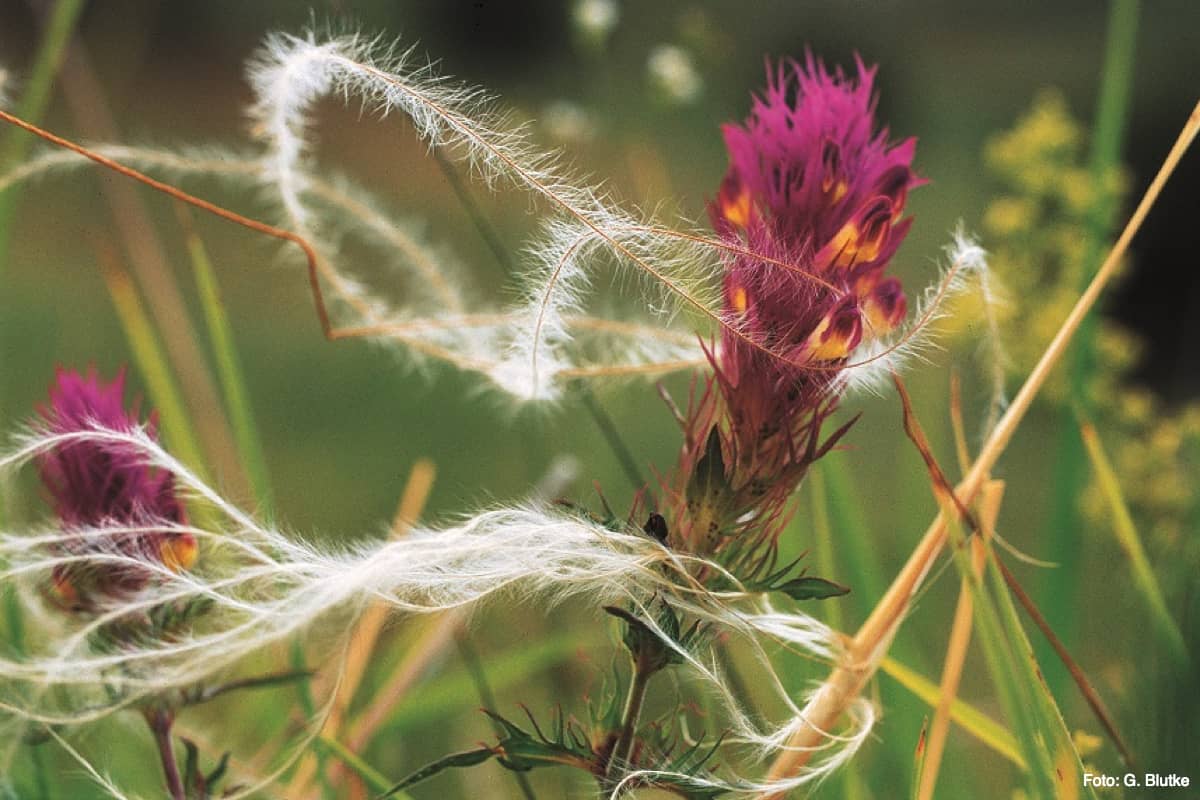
815, 186
94, 483
813, 199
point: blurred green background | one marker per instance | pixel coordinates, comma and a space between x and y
342, 424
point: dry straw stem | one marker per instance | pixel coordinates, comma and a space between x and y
960, 639
869, 645
370, 625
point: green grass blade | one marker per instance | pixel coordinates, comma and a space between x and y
1070, 472
229, 368
34, 99
443, 696
822, 536
374, 778
914, 786
975, 722
1051, 724
1005, 667
151, 362
16, 144
1130, 541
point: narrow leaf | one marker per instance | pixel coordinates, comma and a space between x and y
812, 588
468, 758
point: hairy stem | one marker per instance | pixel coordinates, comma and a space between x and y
622, 752
160, 722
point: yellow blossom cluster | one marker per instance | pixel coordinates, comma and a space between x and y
1037, 230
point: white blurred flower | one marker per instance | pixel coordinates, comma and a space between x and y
673, 73
596, 19
568, 123
4, 77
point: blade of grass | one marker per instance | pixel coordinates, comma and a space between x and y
1004, 668
919, 760
34, 99
373, 777
1077, 674
960, 638
869, 645
1003, 664
151, 362
1049, 725
229, 368
1070, 471
987, 730
1144, 579
852, 783
1052, 725
366, 633
479, 677
149, 264
32, 105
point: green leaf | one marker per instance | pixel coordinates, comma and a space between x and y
811, 588
469, 758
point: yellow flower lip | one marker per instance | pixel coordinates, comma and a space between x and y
862, 238
179, 552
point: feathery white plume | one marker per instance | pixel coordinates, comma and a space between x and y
261, 586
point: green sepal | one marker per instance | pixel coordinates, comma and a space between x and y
810, 588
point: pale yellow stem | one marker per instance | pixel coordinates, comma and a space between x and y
862, 655
366, 632
960, 639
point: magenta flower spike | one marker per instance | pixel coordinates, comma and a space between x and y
94, 483
816, 192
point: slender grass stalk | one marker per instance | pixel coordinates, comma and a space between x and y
869, 645
1070, 462
366, 633
984, 728
1005, 670
852, 781
152, 363
956, 649
149, 264
32, 105
612, 436
35, 98
373, 777
484, 689
229, 367
920, 755
1130, 541
491, 237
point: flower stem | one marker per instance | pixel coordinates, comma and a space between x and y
160, 722
622, 751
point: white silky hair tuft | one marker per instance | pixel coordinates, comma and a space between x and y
527, 351
966, 270
262, 586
